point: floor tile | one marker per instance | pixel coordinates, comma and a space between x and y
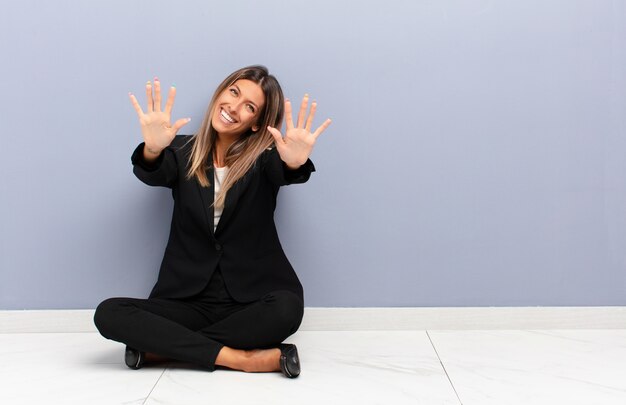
69, 368
535, 367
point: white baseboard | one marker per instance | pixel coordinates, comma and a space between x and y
343, 319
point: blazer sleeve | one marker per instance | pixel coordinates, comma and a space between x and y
278, 172
162, 172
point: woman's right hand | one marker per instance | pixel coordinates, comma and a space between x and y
156, 129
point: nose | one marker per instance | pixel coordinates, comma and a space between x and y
233, 109
237, 107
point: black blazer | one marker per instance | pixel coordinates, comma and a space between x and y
245, 244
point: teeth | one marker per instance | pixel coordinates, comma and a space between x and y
226, 116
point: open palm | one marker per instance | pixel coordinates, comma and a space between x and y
156, 128
297, 144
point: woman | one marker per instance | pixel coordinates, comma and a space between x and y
226, 294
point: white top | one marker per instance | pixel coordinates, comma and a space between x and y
220, 174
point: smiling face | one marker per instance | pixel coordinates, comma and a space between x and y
237, 109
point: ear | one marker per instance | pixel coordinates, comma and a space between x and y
255, 128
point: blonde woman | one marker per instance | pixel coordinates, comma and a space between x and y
226, 294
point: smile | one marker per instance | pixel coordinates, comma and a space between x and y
226, 118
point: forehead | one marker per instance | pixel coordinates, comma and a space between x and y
251, 91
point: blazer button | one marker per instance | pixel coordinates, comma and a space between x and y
218, 246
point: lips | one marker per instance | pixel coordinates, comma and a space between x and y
226, 118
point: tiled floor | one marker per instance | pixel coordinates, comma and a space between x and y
358, 367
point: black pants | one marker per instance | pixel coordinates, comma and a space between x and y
195, 329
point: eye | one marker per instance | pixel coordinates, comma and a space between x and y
234, 91
250, 108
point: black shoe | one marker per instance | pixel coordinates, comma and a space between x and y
134, 358
289, 360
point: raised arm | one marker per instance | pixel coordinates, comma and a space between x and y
156, 129
154, 163
289, 161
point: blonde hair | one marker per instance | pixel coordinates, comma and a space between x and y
242, 154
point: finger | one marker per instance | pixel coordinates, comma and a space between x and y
149, 96
321, 129
309, 121
135, 104
303, 105
170, 100
278, 138
180, 123
157, 94
288, 118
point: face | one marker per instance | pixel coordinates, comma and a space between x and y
237, 108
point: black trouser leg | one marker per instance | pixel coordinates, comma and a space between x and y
164, 327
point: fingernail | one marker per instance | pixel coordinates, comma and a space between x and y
130, 94
148, 82
188, 119
306, 94
156, 79
173, 85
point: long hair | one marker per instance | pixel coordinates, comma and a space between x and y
242, 154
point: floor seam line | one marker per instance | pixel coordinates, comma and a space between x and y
154, 386
444, 368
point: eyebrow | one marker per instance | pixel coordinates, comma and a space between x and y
252, 102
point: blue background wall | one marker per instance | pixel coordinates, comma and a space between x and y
476, 156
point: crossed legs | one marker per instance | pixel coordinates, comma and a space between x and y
244, 337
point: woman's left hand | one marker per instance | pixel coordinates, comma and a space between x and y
294, 149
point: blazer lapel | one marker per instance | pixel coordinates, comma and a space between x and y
207, 194
232, 197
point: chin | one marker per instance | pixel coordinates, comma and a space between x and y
218, 126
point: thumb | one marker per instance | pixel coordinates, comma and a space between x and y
180, 123
278, 138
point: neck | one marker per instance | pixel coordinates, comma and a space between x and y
222, 143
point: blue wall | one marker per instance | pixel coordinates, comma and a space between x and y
476, 156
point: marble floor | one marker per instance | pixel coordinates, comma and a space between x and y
502, 367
